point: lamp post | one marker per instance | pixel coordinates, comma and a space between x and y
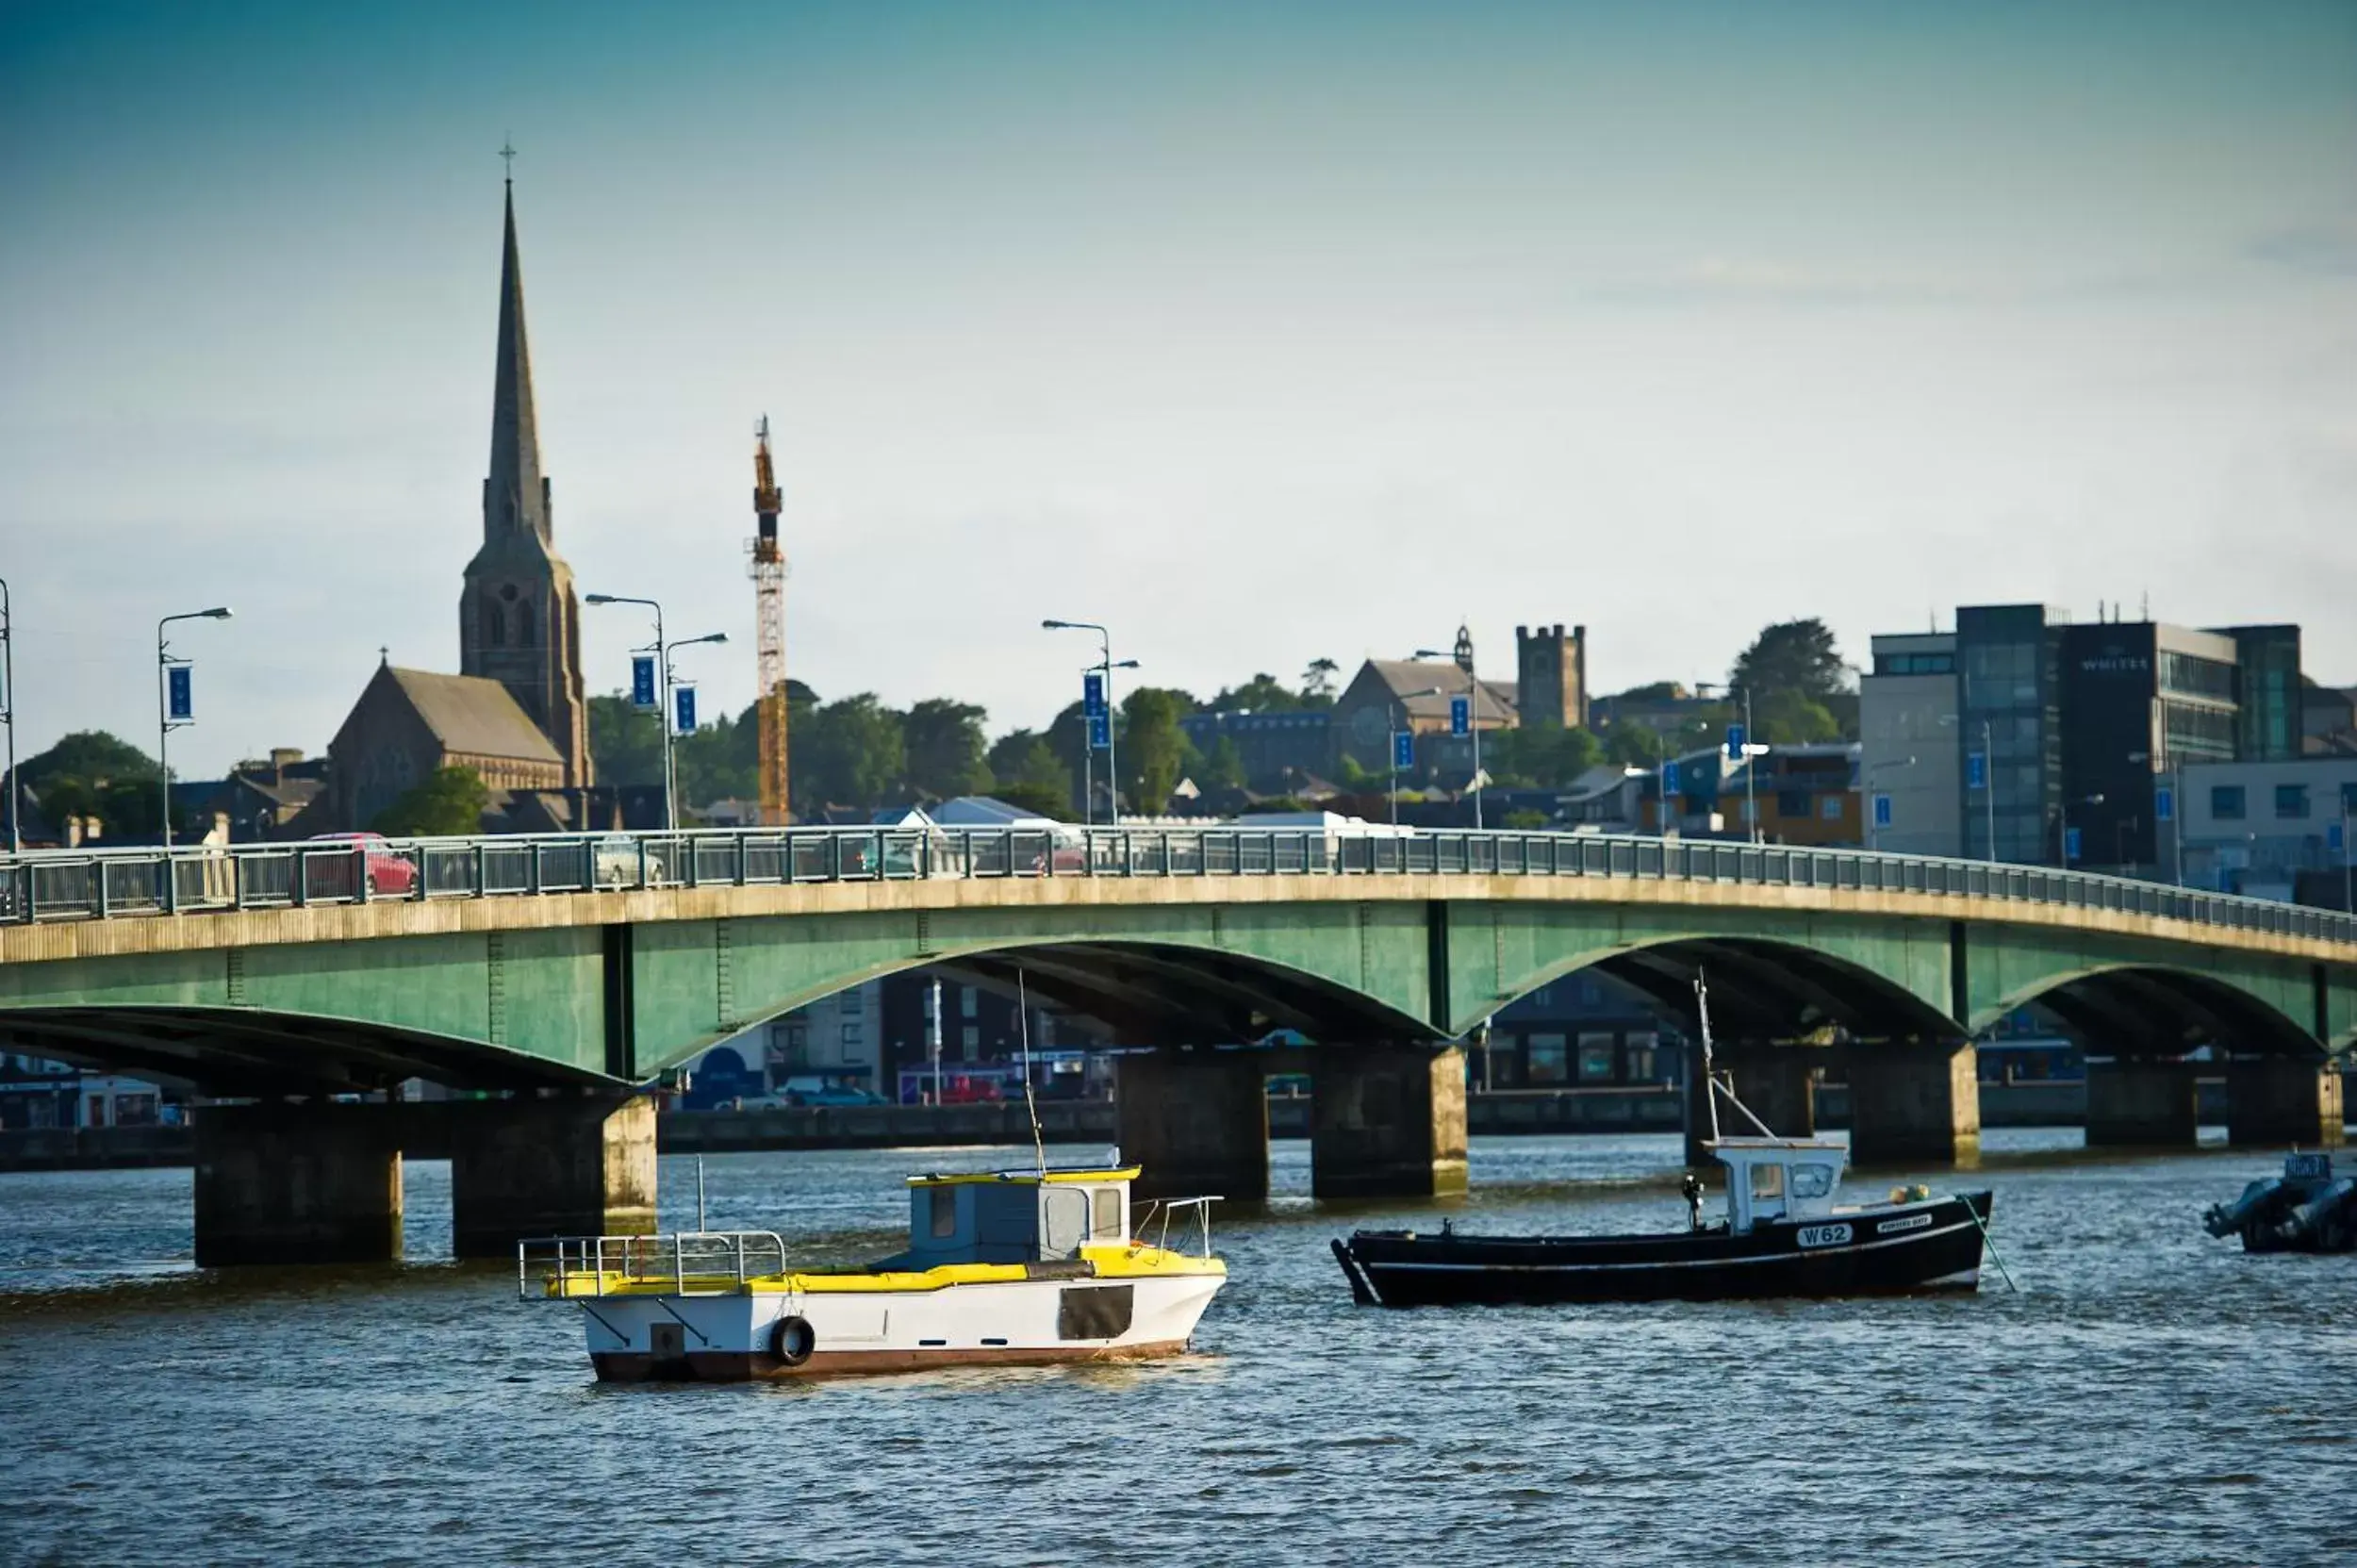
662, 697
1104, 663
165, 724
671, 684
1088, 753
1752, 748
1399, 709
1872, 835
1473, 712
8, 710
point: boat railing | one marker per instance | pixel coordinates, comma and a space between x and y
691, 1263
1163, 1210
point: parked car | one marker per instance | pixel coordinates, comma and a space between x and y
819, 1091
616, 861
391, 873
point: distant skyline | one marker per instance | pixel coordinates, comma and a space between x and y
1261, 335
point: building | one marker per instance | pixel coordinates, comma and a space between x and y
410, 723
260, 799
2026, 737
515, 713
2270, 830
1414, 696
1585, 1030
1277, 747
1551, 677
518, 621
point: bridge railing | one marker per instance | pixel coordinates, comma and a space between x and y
85, 885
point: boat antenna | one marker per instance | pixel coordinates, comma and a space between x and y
1023, 1033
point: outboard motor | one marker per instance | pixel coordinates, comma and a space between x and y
2323, 1223
2258, 1199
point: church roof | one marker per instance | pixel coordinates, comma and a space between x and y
473, 715
1402, 676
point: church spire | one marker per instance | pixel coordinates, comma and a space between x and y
514, 496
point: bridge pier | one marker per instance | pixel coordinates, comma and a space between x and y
1778, 1083
2141, 1104
1387, 1121
2281, 1102
1196, 1122
1915, 1104
576, 1166
315, 1183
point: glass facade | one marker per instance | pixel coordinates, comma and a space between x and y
2011, 704
2267, 721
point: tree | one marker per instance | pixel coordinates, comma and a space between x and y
850, 751
625, 744
1154, 750
450, 804
92, 773
1264, 693
1022, 763
1055, 805
1789, 718
1796, 656
1317, 683
1223, 769
945, 748
1540, 758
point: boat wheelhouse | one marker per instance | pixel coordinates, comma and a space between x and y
1007, 1267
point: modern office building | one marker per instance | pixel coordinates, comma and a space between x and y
2037, 740
2271, 830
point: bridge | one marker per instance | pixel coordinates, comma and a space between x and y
566, 972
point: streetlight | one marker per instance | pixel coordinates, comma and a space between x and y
1474, 715
165, 724
8, 710
662, 697
1088, 753
1752, 748
671, 681
1399, 707
1872, 768
2062, 821
1112, 771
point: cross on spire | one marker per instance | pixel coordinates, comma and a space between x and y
507, 152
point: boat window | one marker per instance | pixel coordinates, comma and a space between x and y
945, 1212
1811, 1180
1111, 1222
1767, 1182
1064, 1222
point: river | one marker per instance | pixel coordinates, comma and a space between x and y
2150, 1394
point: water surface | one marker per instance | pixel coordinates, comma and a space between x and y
2149, 1395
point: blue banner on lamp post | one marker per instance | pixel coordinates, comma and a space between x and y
1460, 716
179, 699
1977, 771
1673, 781
1093, 694
684, 703
2070, 846
1881, 811
1100, 732
2164, 805
642, 682
1735, 741
1404, 750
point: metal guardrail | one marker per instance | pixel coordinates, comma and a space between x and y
81, 885
691, 1263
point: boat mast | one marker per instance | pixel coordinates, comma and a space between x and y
1023, 1032
1710, 1076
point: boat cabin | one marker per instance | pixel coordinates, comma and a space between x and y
1016, 1216
1779, 1179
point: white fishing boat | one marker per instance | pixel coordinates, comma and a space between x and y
1012, 1268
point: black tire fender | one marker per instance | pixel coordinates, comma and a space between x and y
793, 1339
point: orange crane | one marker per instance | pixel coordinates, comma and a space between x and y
768, 571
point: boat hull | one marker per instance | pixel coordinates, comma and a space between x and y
741, 1336
1931, 1245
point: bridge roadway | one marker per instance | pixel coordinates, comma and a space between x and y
594, 964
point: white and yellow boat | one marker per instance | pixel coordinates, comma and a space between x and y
1002, 1267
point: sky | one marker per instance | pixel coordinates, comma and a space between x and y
1258, 333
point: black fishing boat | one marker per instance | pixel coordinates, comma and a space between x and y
2307, 1208
1783, 1234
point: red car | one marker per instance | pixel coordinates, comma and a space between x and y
390, 875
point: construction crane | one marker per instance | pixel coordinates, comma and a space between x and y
768, 571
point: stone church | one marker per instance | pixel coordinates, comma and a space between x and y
515, 713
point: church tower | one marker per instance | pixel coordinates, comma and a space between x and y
519, 622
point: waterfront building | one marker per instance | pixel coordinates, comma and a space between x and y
1584, 1031
2030, 734
2269, 830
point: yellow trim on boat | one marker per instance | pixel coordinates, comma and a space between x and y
1025, 1178
1128, 1261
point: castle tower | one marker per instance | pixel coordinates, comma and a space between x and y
519, 622
1551, 672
